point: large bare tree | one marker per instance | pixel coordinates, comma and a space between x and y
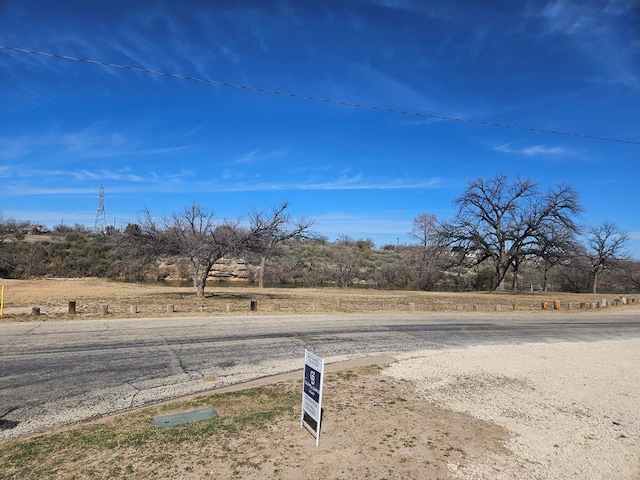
195, 234
498, 220
605, 249
272, 229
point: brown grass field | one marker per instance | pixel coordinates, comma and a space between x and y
99, 298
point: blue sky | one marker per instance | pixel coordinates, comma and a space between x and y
161, 142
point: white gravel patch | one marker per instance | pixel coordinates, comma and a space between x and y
573, 408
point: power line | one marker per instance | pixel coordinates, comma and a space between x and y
319, 99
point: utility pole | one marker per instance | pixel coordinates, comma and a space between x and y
101, 219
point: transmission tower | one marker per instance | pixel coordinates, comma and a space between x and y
101, 218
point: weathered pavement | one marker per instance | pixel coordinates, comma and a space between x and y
57, 373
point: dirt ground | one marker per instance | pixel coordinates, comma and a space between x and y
374, 427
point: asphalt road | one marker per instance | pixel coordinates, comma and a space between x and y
57, 373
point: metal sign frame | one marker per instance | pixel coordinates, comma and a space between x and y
312, 382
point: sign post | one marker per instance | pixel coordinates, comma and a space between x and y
311, 415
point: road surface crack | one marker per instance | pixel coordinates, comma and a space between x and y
176, 360
133, 397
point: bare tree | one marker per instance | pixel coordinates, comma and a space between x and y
605, 249
498, 220
272, 229
631, 272
11, 229
574, 276
348, 261
195, 234
425, 231
555, 245
425, 257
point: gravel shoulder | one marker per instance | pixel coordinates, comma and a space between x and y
571, 409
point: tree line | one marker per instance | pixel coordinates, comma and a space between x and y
506, 234
505, 223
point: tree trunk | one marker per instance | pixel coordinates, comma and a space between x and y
595, 282
200, 282
514, 283
200, 274
263, 262
501, 265
501, 273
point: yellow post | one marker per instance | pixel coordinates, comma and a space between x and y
1, 300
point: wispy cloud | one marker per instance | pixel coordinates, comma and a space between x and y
256, 156
437, 10
535, 150
602, 31
128, 181
384, 223
392, 87
121, 175
96, 141
22, 180
344, 182
14, 148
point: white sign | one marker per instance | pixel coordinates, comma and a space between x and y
312, 393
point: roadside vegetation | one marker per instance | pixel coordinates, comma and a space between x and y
506, 235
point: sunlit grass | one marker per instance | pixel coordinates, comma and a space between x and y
90, 295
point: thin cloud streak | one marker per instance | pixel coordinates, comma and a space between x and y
594, 36
255, 156
123, 174
386, 223
535, 150
159, 185
87, 143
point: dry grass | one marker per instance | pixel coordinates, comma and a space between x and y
92, 296
373, 427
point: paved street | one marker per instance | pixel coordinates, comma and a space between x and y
55, 373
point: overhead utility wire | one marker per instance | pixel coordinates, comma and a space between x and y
318, 99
